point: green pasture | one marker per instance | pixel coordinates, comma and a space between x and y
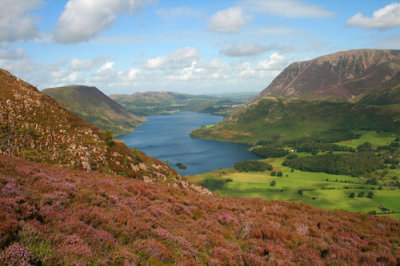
321, 190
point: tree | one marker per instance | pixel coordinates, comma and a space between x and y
370, 195
273, 183
273, 173
352, 195
279, 174
181, 166
360, 194
366, 146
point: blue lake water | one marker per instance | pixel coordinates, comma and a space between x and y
166, 137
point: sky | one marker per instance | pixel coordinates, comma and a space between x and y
191, 46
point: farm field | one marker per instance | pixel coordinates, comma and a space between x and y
323, 190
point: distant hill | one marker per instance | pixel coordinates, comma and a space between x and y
35, 127
55, 216
342, 76
160, 102
95, 107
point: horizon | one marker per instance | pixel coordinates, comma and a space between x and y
207, 48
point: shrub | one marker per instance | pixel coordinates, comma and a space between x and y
252, 165
273, 183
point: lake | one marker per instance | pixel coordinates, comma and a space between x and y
166, 137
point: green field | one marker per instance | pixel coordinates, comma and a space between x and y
326, 191
376, 139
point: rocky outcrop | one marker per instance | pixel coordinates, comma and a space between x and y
342, 76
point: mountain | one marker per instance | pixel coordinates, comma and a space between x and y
95, 107
342, 76
57, 216
275, 119
34, 126
160, 102
353, 90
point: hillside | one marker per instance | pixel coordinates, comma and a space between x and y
35, 127
56, 216
342, 76
95, 107
160, 102
387, 96
272, 119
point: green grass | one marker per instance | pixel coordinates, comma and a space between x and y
376, 139
321, 190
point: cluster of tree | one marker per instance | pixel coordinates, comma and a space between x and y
361, 194
354, 164
269, 150
252, 166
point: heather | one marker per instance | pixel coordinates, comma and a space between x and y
52, 215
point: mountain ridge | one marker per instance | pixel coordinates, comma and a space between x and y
95, 107
341, 76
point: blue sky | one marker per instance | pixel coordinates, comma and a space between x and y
199, 47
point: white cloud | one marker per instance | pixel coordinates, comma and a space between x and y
382, 19
180, 58
106, 66
16, 22
246, 49
274, 62
155, 62
82, 20
228, 20
289, 8
77, 64
12, 54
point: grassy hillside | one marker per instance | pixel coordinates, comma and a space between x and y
150, 103
273, 119
56, 216
386, 96
95, 107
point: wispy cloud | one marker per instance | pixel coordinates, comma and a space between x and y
288, 8
247, 49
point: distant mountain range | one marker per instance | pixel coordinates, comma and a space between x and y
354, 90
95, 107
160, 102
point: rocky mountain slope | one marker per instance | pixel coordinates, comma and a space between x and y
56, 216
95, 107
35, 127
342, 76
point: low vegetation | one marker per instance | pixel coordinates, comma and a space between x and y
252, 166
56, 216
